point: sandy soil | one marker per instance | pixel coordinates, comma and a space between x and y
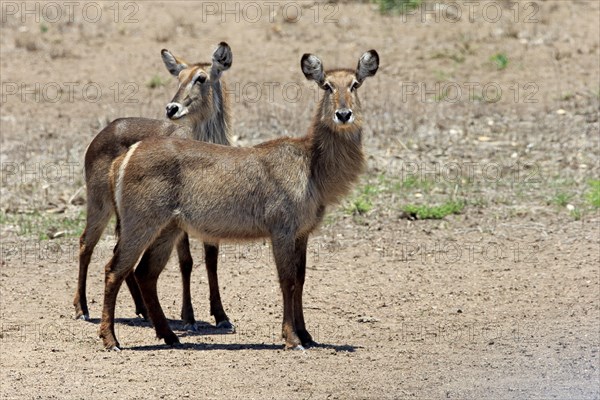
500, 301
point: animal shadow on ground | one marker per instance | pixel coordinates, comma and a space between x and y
237, 346
205, 328
202, 327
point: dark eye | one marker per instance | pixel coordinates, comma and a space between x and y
328, 87
354, 86
200, 79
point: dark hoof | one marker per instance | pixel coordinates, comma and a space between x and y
81, 312
187, 317
111, 345
305, 338
293, 343
143, 314
108, 340
226, 325
83, 317
171, 339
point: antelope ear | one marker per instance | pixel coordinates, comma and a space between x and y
221, 60
367, 65
312, 67
173, 64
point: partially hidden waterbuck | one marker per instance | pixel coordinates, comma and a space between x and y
199, 110
278, 189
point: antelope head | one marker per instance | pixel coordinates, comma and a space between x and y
340, 106
197, 82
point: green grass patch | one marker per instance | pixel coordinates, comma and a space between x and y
593, 194
561, 199
500, 59
155, 82
576, 214
370, 190
458, 58
45, 225
380, 192
360, 206
424, 211
567, 96
362, 202
397, 6
413, 182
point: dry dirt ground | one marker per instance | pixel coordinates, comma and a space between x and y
493, 105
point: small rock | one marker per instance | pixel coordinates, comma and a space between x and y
55, 235
368, 319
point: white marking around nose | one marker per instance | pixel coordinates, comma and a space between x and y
338, 122
181, 110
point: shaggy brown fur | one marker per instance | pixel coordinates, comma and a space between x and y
278, 189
